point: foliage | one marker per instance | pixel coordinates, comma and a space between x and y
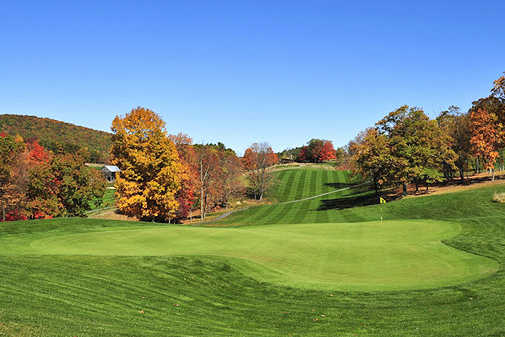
317, 151
257, 159
151, 172
416, 142
40, 184
457, 126
484, 136
218, 170
374, 159
208, 295
64, 186
186, 196
55, 135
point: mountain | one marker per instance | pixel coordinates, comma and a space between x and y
53, 134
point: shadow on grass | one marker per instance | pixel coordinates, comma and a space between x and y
339, 185
348, 202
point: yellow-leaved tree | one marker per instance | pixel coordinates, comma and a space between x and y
151, 173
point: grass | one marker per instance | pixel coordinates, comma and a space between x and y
294, 184
112, 295
108, 200
393, 255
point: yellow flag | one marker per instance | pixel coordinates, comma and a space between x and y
382, 201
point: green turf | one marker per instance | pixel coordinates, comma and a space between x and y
392, 255
299, 183
191, 295
107, 200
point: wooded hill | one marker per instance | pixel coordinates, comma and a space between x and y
56, 135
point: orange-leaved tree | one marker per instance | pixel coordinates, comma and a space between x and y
151, 171
186, 196
257, 159
484, 138
327, 151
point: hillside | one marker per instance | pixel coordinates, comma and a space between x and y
299, 183
52, 133
90, 277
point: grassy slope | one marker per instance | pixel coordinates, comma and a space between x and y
393, 255
102, 296
299, 183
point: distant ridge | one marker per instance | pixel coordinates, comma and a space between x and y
53, 134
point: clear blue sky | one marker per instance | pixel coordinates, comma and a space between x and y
247, 71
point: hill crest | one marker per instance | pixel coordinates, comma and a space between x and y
52, 133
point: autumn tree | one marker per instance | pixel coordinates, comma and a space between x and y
327, 152
417, 143
373, 159
259, 178
484, 138
229, 177
456, 126
207, 161
498, 89
151, 171
316, 151
63, 186
10, 150
219, 170
186, 196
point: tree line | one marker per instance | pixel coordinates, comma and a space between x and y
408, 147
167, 178
58, 136
36, 183
316, 151
163, 177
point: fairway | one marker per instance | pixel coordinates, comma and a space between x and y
394, 255
311, 268
299, 183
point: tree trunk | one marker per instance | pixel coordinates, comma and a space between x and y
3, 211
376, 186
462, 175
202, 206
404, 189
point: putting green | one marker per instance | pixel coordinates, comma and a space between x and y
393, 255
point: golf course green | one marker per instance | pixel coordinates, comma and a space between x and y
392, 255
319, 267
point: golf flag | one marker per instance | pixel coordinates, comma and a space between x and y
382, 201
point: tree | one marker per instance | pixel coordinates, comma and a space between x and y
498, 89
261, 157
150, 174
484, 138
316, 151
327, 152
63, 186
456, 126
416, 142
373, 160
186, 196
10, 150
207, 161
229, 179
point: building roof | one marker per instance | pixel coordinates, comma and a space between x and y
111, 168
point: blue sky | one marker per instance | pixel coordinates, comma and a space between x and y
247, 71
